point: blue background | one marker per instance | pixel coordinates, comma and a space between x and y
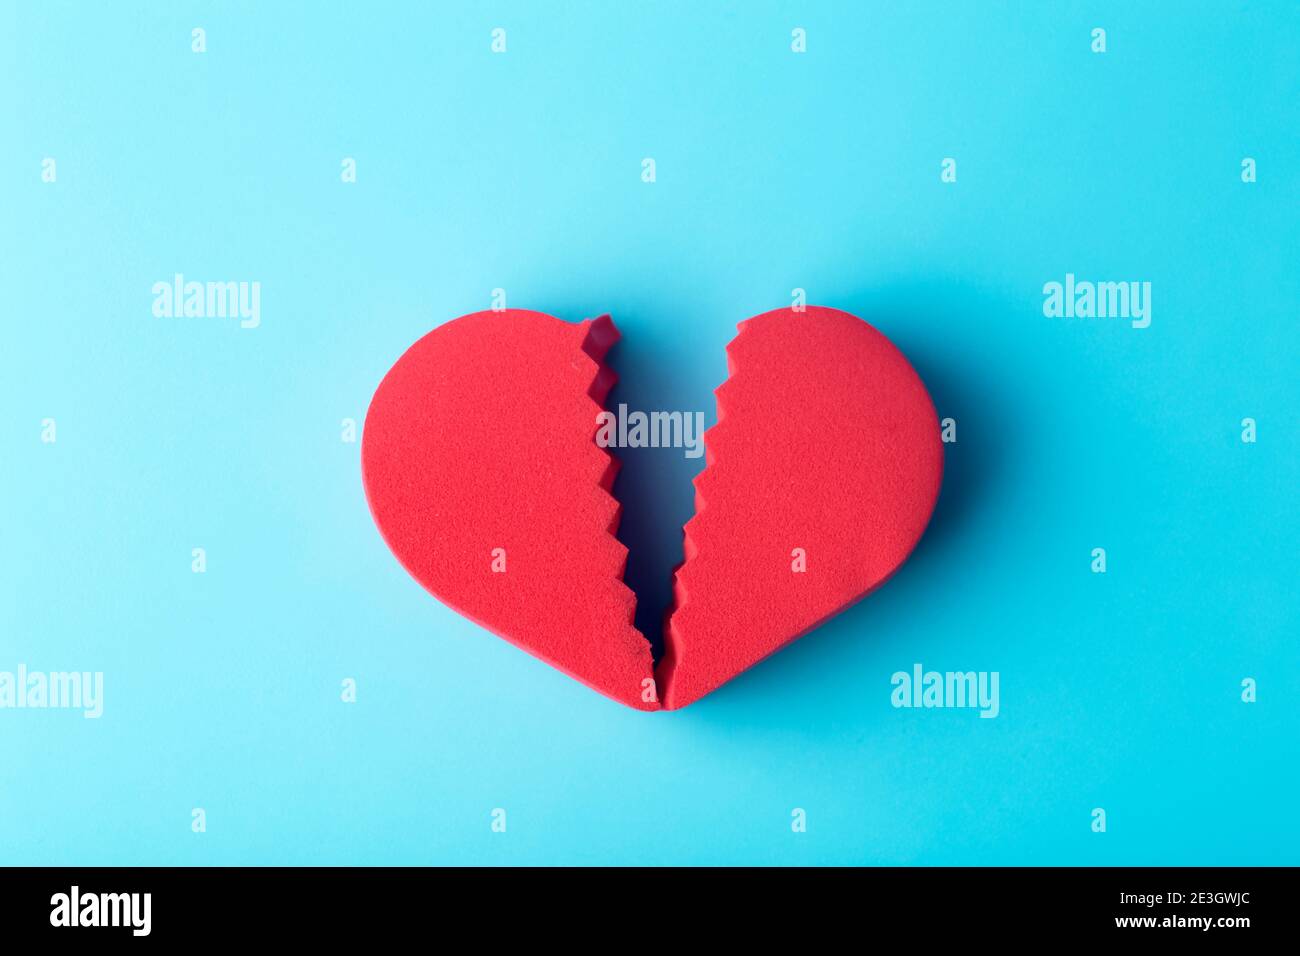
774, 171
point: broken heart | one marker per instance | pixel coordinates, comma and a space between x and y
483, 474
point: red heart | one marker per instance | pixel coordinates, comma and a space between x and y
483, 475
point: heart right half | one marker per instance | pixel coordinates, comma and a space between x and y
821, 474
482, 472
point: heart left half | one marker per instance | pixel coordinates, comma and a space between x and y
482, 472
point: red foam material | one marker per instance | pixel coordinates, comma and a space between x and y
482, 436
826, 441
